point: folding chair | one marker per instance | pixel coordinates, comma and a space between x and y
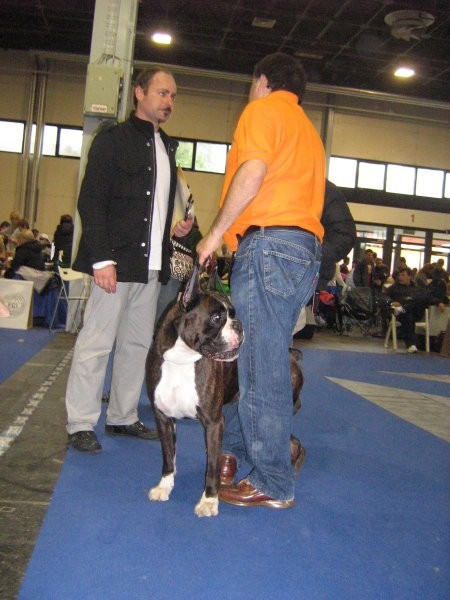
392, 332
423, 327
82, 285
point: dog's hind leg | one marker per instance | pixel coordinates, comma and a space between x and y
167, 434
208, 505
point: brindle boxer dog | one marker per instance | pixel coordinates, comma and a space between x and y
191, 372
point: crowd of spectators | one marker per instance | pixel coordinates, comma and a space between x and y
405, 292
27, 253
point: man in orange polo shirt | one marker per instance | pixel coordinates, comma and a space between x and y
269, 213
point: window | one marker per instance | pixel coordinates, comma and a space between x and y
185, 154
210, 157
447, 186
342, 171
70, 141
11, 136
400, 179
430, 182
371, 176
49, 140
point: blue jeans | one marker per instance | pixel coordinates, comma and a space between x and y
274, 275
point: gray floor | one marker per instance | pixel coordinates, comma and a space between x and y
33, 412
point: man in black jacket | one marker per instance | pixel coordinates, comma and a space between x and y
340, 232
125, 204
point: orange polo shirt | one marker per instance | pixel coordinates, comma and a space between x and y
276, 130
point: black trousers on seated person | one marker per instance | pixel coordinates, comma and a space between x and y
414, 311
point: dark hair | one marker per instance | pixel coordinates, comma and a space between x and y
405, 270
66, 219
24, 224
145, 77
283, 72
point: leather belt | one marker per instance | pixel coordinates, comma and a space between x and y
256, 228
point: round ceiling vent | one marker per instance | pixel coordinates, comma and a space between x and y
409, 24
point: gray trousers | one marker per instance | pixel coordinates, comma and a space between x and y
126, 318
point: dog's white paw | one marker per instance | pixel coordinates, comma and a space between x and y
161, 492
207, 507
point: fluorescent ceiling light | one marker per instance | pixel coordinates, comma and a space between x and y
162, 38
404, 72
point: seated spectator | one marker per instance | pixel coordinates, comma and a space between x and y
437, 292
401, 264
46, 245
63, 240
439, 271
3, 253
13, 230
424, 275
5, 228
409, 303
28, 254
379, 275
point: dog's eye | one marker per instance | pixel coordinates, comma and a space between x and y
215, 318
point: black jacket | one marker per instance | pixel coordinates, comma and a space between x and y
63, 239
117, 198
28, 254
340, 232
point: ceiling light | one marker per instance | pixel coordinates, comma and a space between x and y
404, 72
263, 23
160, 37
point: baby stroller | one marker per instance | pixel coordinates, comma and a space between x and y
329, 311
357, 310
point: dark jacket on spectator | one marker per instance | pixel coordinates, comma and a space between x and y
28, 254
363, 274
63, 239
340, 233
437, 291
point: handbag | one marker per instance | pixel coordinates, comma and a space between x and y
181, 257
181, 260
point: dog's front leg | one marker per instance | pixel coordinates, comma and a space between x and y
208, 505
167, 435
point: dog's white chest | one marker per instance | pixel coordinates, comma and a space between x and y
176, 393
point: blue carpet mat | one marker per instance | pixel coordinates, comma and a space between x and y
370, 521
18, 346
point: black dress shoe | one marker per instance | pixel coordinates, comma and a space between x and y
84, 441
137, 429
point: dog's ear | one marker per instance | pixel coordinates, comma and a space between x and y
191, 292
213, 279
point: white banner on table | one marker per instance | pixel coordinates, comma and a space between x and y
18, 297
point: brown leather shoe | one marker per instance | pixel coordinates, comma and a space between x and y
297, 455
228, 466
244, 494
